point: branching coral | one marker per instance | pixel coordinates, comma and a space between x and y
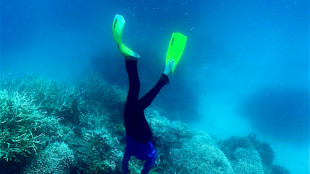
83, 153
69, 106
97, 151
107, 147
43, 92
23, 129
57, 99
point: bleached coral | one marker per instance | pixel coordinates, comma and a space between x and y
182, 150
30, 112
247, 162
107, 147
60, 100
259, 155
200, 156
23, 129
55, 158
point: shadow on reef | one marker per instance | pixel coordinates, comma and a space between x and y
50, 127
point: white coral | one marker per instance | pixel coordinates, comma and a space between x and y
247, 162
199, 156
56, 158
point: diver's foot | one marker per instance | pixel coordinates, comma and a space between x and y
132, 58
128, 53
168, 68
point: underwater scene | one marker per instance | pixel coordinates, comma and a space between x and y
154, 86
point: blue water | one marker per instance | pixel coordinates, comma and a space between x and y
245, 67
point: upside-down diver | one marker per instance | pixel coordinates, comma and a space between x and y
138, 131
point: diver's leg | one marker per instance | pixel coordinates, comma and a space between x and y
147, 99
149, 164
134, 84
125, 161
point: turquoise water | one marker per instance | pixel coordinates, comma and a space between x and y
245, 68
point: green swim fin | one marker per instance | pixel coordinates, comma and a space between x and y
117, 29
175, 49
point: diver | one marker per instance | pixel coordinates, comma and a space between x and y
138, 131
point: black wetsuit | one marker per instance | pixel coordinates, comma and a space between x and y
138, 132
135, 123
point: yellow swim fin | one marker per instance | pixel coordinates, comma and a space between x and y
175, 49
117, 30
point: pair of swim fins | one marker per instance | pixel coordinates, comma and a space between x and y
175, 50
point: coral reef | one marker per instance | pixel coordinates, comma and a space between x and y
101, 96
55, 158
247, 161
50, 127
24, 129
181, 150
107, 147
199, 156
62, 101
249, 155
